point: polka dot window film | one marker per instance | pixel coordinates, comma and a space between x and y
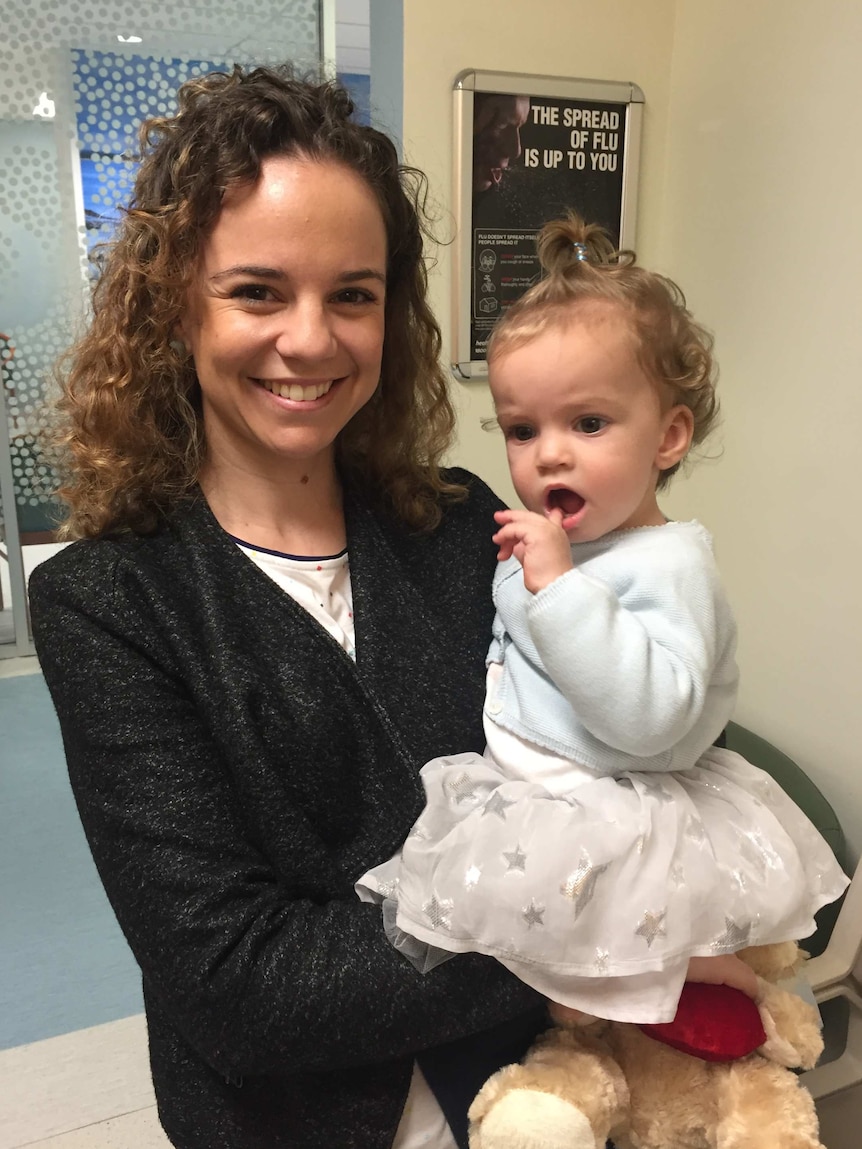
76, 79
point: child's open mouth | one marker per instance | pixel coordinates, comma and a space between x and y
565, 500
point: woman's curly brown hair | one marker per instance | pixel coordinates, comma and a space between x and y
131, 440
584, 268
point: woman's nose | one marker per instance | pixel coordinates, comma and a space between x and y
306, 332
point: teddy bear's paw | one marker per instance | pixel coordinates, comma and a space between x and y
528, 1119
793, 1035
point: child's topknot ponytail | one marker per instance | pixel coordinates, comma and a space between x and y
566, 245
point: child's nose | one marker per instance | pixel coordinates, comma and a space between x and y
554, 451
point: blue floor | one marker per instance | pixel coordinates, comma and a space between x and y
64, 964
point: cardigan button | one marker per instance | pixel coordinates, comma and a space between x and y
495, 707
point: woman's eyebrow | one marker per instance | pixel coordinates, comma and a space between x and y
255, 272
250, 270
362, 273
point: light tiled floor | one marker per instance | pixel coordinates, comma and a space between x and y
139, 1130
90, 1088
12, 667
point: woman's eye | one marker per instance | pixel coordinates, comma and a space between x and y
591, 424
521, 433
355, 295
252, 292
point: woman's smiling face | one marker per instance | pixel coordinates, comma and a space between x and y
286, 318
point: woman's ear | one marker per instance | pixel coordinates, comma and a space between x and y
178, 341
676, 440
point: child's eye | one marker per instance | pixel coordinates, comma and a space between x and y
591, 424
520, 432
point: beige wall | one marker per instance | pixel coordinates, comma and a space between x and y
598, 39
761, 224
751, 178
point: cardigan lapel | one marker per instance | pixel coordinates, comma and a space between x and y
394, 629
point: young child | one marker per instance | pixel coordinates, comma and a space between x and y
603, 841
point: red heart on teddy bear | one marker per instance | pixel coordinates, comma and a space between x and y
713, 1022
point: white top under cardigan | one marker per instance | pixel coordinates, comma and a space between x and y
322, 586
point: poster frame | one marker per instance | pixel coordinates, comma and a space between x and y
473, 80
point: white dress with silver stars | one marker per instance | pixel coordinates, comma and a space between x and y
596, 884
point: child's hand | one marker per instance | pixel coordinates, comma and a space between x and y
539, 543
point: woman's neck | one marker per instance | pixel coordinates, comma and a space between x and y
297, 511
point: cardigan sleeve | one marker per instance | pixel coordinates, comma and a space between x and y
257, 976
635, 658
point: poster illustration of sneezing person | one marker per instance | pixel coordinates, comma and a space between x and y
531, 158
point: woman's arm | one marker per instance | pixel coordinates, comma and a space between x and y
258, 971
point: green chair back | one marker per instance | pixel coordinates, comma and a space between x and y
799, 787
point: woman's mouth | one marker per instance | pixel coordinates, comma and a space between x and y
299, 391
569, 502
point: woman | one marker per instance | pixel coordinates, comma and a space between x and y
257, 405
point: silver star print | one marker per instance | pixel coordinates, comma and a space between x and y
652, 926
641, 843
735, 937
758, 852
754, 856
677, 875
656, 790
471, 877
601, 965
498, 805
533, 914
707, 782
762, 786
462, 788
438, 911
388, 889
694, 830
580, 885
516, 859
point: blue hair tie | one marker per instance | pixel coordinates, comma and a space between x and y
580, 252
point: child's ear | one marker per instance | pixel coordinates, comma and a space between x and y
678, 430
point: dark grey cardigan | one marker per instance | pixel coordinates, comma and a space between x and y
235, 772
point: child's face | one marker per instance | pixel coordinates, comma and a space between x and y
585, 429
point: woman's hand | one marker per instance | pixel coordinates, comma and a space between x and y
538, 542
724, 969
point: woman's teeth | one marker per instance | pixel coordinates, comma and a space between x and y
297, 391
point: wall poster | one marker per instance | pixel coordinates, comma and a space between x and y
527, 148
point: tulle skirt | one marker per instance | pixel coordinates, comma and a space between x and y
599, 899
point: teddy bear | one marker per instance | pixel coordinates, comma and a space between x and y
639, 1085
